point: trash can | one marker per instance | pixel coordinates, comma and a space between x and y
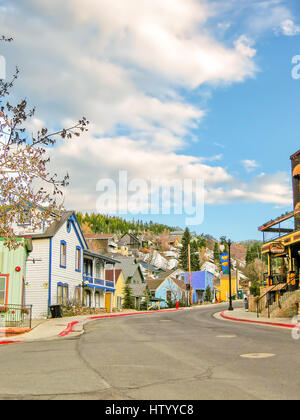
246, 303
56, 311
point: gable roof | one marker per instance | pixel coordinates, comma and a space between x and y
154, 284
132, 236
57, 224
109, 274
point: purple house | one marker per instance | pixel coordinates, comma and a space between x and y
200, 281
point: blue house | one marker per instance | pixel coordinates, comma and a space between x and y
200, 281
168, 288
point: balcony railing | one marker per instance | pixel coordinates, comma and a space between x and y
98, 282
276, 279
283, 226
15, 316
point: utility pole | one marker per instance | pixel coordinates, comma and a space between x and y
190, 274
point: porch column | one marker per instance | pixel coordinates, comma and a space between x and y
94, 267
269, 270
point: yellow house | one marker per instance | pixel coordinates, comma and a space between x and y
119, 286
223, 288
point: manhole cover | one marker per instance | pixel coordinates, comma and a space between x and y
257, 355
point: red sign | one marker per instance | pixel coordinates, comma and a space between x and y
18, 269
277, 248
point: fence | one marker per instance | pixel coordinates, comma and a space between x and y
15, 316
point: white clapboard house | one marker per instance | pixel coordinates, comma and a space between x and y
62, 270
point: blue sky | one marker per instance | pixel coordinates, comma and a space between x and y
174, 89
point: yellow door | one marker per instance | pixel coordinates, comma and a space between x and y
108, 302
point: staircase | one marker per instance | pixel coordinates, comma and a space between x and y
286, 307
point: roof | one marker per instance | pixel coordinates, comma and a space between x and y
109, 275
102, 257
132, 236
99, 236
55, 226
295, 155
177, 232
154, 284
150, 267
166, 274
180, 283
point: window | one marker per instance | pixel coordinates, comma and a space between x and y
65, 294
25, 218
78, 259
69, 225
63, 254
3, 289
77, 295
169, 295
97, 300
62, 294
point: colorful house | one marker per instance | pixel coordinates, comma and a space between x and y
133, 274
119, 286
62, 270
200, 280
223, 292
168, 289
13, 272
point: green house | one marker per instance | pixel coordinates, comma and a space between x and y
13, 272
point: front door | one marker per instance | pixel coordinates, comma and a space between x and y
108, 302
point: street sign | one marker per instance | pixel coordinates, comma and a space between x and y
277, 248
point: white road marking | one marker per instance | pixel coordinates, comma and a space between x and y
257, 355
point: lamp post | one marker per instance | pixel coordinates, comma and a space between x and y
229, 243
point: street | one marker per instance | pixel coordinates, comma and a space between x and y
178, 355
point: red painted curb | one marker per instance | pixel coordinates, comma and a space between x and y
15, 331
10, 342
69, 329
135, 313
273, 324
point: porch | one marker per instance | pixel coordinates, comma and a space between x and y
97, 292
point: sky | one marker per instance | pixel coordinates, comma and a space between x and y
175, 90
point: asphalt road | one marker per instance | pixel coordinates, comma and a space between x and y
176, 355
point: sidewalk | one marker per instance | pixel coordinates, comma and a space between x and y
241, 315
62, 327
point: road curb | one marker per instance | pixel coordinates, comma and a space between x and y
71, 325
134, 313
249, 321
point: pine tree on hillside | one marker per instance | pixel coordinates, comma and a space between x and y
184, 258
195, 258
217, 253
128, 298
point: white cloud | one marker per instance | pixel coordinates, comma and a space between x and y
124, 65
250, 165
289, 28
